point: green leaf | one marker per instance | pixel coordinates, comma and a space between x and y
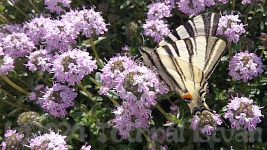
225, 108
211, 144
96, 106
264, 99
98, 77
112, 94
2, 7
77, 114
13, 111
125, 4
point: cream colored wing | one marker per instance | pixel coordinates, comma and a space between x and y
201, 25
186, 65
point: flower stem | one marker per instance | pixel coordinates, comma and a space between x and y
233, 4
20, 10
94, 50
148, 139
8, 94
79, 39
263, 3
87, 93
24, 4
35, 7
10, 103
21, 80
4, 18
163, 112
246, 18
230, 50
262, 51
111, 99
42, 78
13, 84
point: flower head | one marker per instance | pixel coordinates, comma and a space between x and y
55, 5
137, 86
29, 121
207, 122
103, 7
246, 44
13, 140
263, 39
229, 27
131, 28
156, 29
6, 62
71, 66
84, 147
17, 45
245, 65
56, 99
40, 60
158, 11
241, 112
51, 141
192, 7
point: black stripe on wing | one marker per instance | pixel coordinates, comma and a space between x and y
202, 25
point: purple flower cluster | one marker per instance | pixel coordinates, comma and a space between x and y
55, 5
263, 39
191, 7
241, 112
156, 29
84, 147
175, 112
71, 66
86, 21
131, 28
207, 122
17, 45
56, 35
245, 65
126, 48
158, 11
51, 141
13, 140
112, 18
229, 27
56, 99
6, 62
103, 7
40, 60
246, 43
9, 29
137, 86
39, 92
159, 137
253, 2
154, 26
29, 121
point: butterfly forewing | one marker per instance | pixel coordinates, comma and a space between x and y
202, 25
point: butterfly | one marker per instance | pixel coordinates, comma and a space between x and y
186, 58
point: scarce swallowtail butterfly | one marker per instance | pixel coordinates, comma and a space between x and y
186, 58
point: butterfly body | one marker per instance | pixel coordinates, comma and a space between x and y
185, 63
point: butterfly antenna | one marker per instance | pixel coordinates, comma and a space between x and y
225, 123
